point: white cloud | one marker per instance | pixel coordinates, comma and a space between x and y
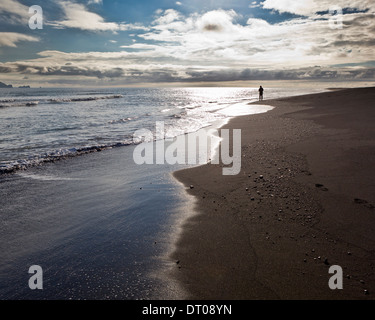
78, 17
214, 45
13, 12
215, 36
300, 7
169, 16
257, 23
254, 4
9, 39
217, 20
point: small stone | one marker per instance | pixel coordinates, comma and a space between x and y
191, 187
349, 253
366, 292
178, 262
326, 262
361, 281
261, 177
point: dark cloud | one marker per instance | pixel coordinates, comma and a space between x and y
355, 43
190, 75
5, 69
316, 74
70, 70
360, 21
212, 27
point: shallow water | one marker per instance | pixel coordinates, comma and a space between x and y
97, 231
40, 125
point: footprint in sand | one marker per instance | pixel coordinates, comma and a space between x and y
364, 202
321, 187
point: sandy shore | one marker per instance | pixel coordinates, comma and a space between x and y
276, 236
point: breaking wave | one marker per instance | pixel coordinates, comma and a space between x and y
62, 100
32, 161
14, 103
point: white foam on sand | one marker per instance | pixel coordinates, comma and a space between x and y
243, 109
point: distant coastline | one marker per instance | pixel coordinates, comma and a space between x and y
9, 86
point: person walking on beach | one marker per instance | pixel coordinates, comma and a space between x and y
261, 93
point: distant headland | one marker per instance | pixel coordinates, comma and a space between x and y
3, 85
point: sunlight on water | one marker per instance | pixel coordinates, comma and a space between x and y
40, 125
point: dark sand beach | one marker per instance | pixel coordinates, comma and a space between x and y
304, 201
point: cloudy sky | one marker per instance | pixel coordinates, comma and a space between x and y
113, 42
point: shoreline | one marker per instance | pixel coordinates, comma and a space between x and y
98, 224
276, 236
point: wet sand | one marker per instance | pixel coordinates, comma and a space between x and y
303, 202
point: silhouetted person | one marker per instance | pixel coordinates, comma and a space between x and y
261, 93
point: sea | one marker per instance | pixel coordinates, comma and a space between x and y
39, 125
74, 203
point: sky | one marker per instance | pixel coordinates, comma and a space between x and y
195, 42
